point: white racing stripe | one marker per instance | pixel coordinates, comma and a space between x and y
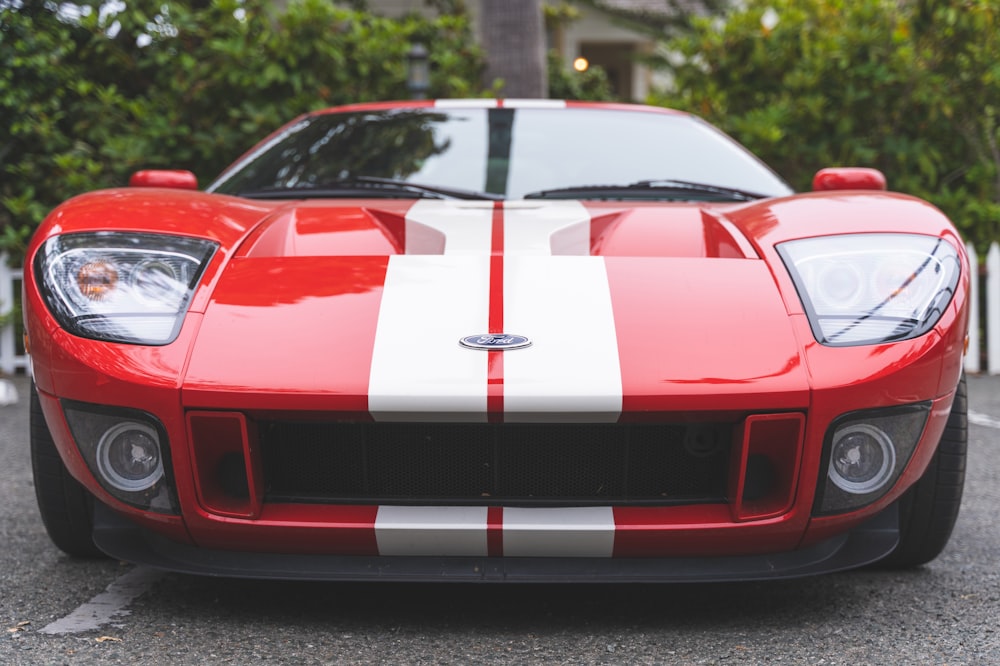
563, 303
571, 371
554, 293
435, 294
452, 531
512, 103
531, 103
431, 530
559, 532
419, 371
546, 229
436, 227
466, 103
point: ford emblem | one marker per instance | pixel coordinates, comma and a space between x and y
495, 341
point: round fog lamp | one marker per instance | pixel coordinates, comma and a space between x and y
128, 457
862, 459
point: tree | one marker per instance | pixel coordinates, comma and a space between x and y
513, 36
910, 88
90, 96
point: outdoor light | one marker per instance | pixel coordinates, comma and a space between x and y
581, 64
769, 20
418, 74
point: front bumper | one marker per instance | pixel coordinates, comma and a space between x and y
511, 543
864, 545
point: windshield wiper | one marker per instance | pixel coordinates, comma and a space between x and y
650, 189
367, 186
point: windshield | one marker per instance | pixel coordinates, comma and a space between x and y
501, 152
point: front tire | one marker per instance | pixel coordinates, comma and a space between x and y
928, 510
65, 506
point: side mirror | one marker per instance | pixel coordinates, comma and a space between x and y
175, 180
848, 178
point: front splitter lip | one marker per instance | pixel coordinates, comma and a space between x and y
864, 545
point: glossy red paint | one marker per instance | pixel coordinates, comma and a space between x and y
707, 320
178, 180
313, 229
300, 528
296, 278
264, 310
665, 230
649, 532
849, 178
663, 319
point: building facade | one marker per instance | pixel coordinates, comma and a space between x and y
605, 34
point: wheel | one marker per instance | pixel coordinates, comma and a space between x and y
928, 510
65, 506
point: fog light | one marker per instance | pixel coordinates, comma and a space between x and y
128, 456
865, 454
127, 452
862, 459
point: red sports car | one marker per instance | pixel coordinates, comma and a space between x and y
492, 340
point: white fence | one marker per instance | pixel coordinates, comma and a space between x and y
985, 314
11, 359
984, 329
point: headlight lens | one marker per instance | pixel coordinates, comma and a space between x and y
121, 287
871, 288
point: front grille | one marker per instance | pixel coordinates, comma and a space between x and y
495, 463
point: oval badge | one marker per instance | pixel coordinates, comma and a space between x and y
495, 341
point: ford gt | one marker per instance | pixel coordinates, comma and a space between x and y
498, 340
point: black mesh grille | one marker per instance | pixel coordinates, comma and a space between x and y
491, 463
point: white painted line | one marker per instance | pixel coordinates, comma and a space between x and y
984, 420
107, 606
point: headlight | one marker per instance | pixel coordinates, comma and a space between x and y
121, 287
871, 288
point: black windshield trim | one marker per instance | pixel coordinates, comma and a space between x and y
366, 186
649, 189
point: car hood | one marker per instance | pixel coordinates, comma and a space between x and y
362, 308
